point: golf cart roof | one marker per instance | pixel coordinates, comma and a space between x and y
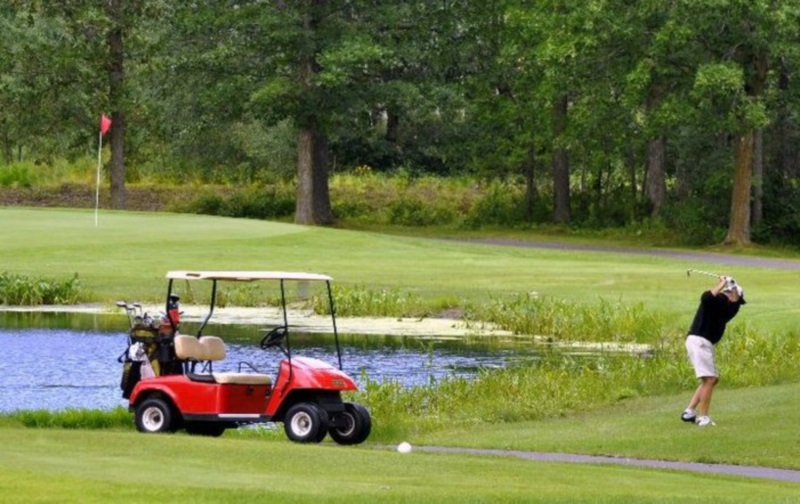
247, 276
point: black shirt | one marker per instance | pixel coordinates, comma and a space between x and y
712, 315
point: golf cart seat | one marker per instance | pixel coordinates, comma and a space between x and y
208, 349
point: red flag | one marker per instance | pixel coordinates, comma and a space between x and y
105, 124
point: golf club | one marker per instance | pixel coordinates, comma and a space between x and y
124, 306
701, 272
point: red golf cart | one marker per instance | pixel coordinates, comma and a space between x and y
170, 381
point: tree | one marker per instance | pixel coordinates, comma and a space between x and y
116, 98
741, 47
508, 111
278, 61
45, 82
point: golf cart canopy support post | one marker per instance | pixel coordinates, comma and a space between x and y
251, 276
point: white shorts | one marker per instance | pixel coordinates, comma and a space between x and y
701, 354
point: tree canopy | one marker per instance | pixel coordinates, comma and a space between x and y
607, 112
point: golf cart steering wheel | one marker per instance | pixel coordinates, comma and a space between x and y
274, 337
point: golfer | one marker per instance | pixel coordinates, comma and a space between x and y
718, 306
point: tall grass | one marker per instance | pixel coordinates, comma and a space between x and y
25, 290
559, 383
559, 319
74, 419
362, 301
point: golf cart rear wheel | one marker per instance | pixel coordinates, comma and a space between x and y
353, 425
153, 416
305, 423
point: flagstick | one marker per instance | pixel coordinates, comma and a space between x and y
97, 185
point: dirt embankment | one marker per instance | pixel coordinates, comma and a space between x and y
138, 198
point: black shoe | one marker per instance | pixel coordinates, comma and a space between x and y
688, 415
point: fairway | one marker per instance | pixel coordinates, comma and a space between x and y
98, 466
127, 255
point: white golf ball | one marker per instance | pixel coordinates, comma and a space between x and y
404, 447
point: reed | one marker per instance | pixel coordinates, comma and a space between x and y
362, 301
559, 319
25, 290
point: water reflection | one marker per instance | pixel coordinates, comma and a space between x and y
47, 366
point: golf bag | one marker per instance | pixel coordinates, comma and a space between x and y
150, 353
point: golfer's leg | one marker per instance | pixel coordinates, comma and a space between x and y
695, 397
705, 390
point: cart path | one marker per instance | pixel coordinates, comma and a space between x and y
715, 257
789, 475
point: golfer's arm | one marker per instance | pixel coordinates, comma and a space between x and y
718, 288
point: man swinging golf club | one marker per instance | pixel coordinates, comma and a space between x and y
718, 306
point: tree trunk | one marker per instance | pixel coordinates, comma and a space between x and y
116, 76
313, 198
739, 226
757, 212
313, 205
561, 193
392, 126
630, 162
529, 169
656, 184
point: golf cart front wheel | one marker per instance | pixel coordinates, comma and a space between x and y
352, 426
153, 416
305, 423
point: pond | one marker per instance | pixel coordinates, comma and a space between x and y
58, 361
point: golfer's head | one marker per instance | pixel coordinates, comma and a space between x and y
735, 294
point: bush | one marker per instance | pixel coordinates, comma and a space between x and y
256, 202
410, 211
16, 175
693, 223
502, 204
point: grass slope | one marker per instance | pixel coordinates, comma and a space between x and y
126, 256
755, 426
